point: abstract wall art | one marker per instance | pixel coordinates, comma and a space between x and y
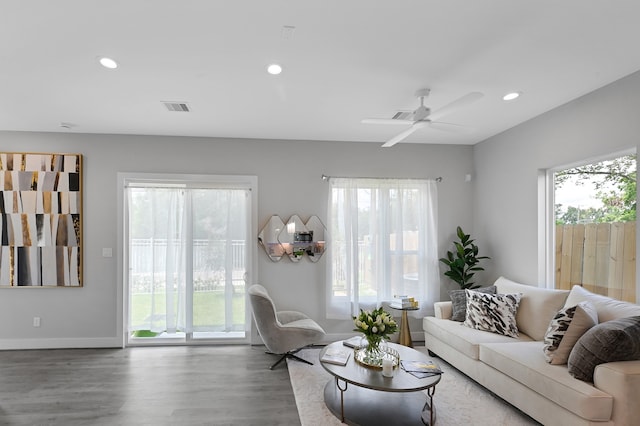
40, 220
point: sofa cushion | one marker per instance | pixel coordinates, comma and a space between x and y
615, 340
464, 339
525, 363
565, 329
492, 312
537, 306
608, 308
459, 301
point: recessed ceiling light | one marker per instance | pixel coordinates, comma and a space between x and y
108, 63
511, 96
274, 69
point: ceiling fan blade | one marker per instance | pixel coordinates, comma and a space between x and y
458, 103
450, 127
386, 121
400, 136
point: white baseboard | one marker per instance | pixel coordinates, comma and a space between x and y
63, 343
116, 342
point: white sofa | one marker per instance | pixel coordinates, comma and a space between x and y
515, 369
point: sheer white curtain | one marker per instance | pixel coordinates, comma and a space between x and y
382, 242
178, 235
188, 256
167, 232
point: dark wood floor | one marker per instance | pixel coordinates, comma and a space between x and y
213, 385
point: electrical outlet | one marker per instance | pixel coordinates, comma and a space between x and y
36, 321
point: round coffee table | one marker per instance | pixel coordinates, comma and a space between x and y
377, 400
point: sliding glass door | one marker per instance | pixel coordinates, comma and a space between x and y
189, 259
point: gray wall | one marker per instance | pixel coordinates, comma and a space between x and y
506, 167
499, 207
289, 182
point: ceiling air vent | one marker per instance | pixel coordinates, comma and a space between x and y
177, 106
402, 115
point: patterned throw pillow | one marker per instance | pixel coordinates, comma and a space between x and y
459, 302
493, 312
609, 341
565, 329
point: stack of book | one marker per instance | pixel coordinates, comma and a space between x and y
353, 342
403, 302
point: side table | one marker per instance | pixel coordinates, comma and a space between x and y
405, 333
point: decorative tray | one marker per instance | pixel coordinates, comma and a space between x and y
361, 357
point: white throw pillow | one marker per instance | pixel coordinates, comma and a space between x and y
493, 312
565, 329
607, 307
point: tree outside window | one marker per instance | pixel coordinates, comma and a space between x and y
595, 215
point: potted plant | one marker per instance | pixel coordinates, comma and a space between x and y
463, 263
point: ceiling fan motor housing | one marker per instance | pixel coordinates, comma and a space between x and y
422, 93
421, 113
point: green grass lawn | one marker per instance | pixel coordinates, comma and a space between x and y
208, 308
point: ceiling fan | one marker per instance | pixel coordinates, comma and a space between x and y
423, 117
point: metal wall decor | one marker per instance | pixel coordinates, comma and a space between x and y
294, 239
40, 220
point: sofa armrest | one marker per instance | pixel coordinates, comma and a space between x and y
621, 380
443, 310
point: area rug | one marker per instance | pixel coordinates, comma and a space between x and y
458, 399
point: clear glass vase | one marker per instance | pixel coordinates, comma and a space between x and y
373, 350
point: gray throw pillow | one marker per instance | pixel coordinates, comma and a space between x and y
459, 301
610, 341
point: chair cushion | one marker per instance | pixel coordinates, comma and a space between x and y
492, 312
304, 324
459, 301
615, 340
525, 363
565, 329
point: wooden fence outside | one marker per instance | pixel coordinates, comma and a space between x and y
599, 256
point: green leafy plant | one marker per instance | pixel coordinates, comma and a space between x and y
463, 262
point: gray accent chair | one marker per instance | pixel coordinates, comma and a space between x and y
284, 333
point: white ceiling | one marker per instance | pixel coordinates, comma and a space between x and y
347, 60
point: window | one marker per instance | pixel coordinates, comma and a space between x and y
594, 227
188, 256
383, 243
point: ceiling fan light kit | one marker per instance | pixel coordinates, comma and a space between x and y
423, 117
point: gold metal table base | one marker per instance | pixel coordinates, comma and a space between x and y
405, 333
